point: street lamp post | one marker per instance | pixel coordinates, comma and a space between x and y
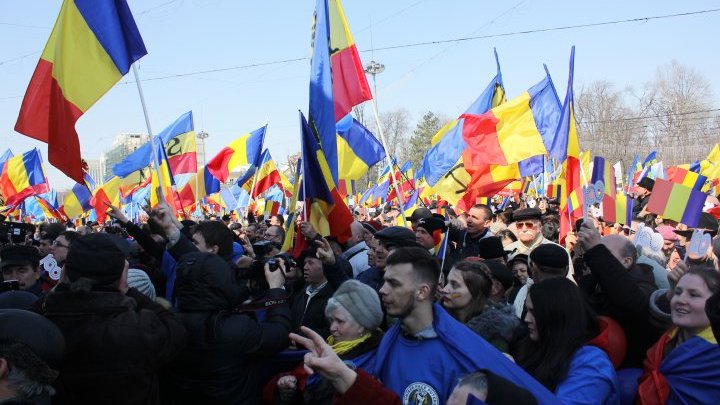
374, 68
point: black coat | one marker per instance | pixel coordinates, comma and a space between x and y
220, 365
310, 312
115, 345
623, 295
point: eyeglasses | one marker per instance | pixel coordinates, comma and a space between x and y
58, 244
528, 225
270, 236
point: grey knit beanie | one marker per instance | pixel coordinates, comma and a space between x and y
361, 301
140, 281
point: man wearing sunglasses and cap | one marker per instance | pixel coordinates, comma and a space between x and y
529, 232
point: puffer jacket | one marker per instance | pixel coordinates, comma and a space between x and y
225, 346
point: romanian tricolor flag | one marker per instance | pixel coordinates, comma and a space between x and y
179, 141
266, 177
325, 208
604, 172
21, 177
687, 374
566, 149
337, 77
554, 191
201, 184
685, 177
486, 181
290, 223
677, 202
92, 45
243, 151
76, 201
575, 204
618, 209
108, 193
511, 132
162, 177
358, 149
443, 166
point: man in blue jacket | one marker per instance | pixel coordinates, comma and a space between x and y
422, 356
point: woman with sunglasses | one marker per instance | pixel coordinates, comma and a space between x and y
565, 349
465, 297
684, 365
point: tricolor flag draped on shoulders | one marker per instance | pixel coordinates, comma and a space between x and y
337, 78
22, 176
245, 150
325, 208
91, 47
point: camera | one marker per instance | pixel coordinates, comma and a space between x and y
14, 232
9, 285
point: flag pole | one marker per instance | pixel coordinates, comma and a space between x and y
398, 188
149, 128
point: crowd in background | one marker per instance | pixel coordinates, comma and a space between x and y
488, 306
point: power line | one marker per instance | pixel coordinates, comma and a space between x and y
464, 39
656, 116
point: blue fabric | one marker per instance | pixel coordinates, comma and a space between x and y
591, 379
693, 372
439, 362
237, 251
114, 27
167, 266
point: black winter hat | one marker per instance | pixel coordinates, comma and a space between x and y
35, 331
646, 183
527, 213
97, 256
491, 248
397, 236
419, 213
432, 224
500, 272
550, 255
19, 255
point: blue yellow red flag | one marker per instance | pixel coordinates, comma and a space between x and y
93, 44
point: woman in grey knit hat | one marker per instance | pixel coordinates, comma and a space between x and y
354, 314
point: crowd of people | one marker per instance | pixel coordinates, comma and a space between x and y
488, 306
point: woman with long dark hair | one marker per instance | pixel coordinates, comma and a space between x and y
465, 297
560, 325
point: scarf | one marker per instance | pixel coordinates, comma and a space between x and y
343, 347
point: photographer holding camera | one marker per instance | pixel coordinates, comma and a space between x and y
221, 362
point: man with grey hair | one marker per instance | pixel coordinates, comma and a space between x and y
356, 250
616, 286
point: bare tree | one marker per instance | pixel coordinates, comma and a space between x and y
676, 106
605, 123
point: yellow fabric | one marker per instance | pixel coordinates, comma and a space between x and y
340, 36
343, 347
350, 166
442, 132
516, 130
83, 69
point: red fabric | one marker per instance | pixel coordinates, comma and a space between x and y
218, 166
653, 388
480, 134
183, 163
611, 340
48, 117
350, 86
367, 389
266, 182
